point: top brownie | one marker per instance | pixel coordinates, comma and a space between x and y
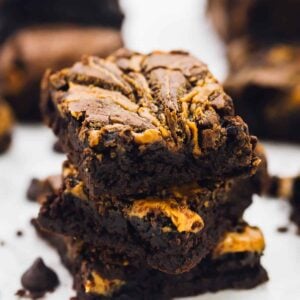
135, 123
17, 14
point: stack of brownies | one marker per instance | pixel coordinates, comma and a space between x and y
159, 173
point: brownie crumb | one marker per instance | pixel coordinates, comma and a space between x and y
19, 233
35, 189
20, 293
2, 243
282, 229
57, 147
39, 279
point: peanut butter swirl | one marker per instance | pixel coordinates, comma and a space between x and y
163, 97
181, 216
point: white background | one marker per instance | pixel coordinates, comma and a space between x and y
150, 24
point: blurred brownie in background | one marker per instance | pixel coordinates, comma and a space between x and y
36, 35
258, 19
6, 125
288, 189
265, 85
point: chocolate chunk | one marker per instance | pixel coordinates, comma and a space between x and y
19, 233
282, 229
39, 279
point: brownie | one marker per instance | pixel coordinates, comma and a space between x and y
135, 124
171, 230
265, 86
23, 59
233, 264
6, 126
17, 14
288, 188
39, 189
258, 19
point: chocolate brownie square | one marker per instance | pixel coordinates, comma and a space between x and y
171, 230
257, 19
233, 264
66, 29
6, 126
134, 123
265, 86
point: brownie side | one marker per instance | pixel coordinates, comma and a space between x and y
161, 230
234, 264
262, 20
139, 123
6, 126
23, 60
18, 14
265, 87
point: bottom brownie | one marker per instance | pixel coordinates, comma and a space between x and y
233, 264
6, 124
288, 188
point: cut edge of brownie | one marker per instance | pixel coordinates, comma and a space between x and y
236, 263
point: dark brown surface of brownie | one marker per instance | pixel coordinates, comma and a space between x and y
265, 87
17, 14
23, 59
233, 264
6, 126
258, 19
135, 123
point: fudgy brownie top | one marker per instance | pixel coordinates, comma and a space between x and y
167, 98
6, 118
17, 14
